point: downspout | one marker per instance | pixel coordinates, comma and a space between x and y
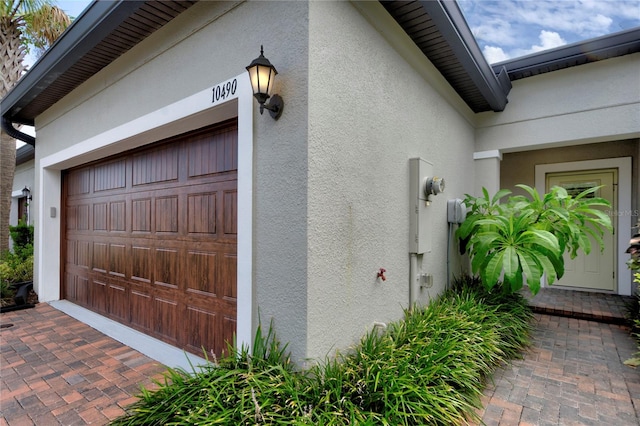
7, 126
414, 285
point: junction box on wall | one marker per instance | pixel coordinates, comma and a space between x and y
422, 187
456, 211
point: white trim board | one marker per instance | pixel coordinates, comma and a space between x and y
623, 164
190, 113
481, 155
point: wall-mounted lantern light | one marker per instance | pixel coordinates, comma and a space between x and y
26, 192
262, 75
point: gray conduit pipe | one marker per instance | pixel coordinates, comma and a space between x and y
414, 285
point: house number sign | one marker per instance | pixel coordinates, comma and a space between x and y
225, 90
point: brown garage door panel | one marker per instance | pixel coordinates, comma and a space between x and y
150, 238
208, 326
141, 309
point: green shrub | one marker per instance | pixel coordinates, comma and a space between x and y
17, 266
426, 369
14, 268
429, 368
528, 235
634, 317
514, 333
257, 387
6, 292
22, 236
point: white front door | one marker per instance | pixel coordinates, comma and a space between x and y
595, 271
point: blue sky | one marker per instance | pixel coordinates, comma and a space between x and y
72, 7
508, 29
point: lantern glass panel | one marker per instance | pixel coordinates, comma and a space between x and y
261, 79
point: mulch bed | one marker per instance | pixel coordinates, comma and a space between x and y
8, 305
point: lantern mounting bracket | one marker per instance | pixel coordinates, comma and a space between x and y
274, 106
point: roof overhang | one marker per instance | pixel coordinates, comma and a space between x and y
439, 30
571, 55
102, 33
108, 29
25, 153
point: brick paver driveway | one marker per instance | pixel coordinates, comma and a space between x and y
57, 370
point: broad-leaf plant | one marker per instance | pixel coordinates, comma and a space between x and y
520, 240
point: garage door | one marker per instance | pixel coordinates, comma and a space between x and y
150, 238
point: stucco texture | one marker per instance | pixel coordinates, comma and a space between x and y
370, 112
330, 178
594, 102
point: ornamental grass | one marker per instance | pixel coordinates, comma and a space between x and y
428, 368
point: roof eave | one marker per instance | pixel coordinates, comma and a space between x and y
450, 21
25, 153
98, 20
102, 17
605, 47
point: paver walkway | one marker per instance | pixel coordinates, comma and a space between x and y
56, 370
603, 307
573, 373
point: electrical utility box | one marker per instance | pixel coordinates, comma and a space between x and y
419, 223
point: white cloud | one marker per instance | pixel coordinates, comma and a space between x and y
548, 40
496, 31
519, 27
602, 21
567, 16
494, 54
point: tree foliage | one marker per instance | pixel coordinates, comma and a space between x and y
23, 23
527, 236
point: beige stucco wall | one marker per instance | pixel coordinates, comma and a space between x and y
370, 112
330, 177
519, 167
590, 103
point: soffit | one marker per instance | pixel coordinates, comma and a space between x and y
102, 33
25, 153
440, 31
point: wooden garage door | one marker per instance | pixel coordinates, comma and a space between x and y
150, 238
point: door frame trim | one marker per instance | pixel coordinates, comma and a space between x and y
187, 114
623, 164
579, 175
